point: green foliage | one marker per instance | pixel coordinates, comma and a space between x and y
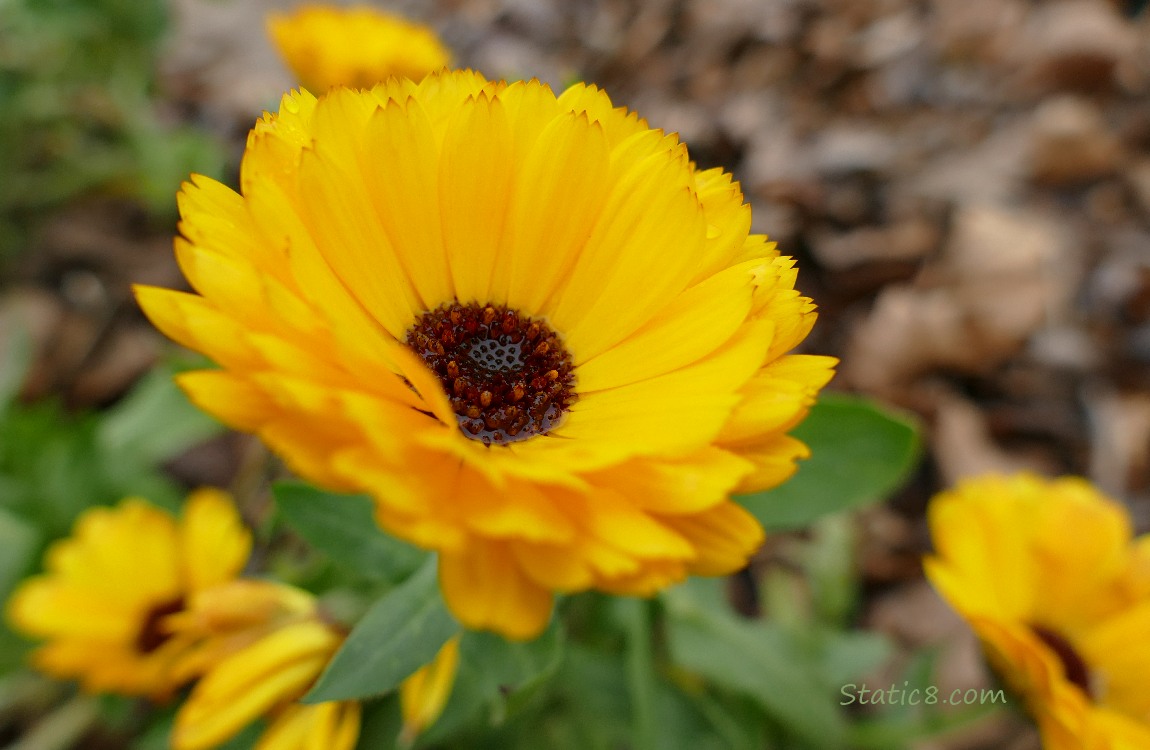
401, 632
78, 113
19, 541
54, 465
860, 453
498, 678
758, 659
343, 528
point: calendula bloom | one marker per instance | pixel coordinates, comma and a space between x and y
328, 46
261, 645
102, 602
527, 325
424, 694
1048, 576
222, 620
265, 679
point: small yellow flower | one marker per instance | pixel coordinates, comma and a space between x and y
102, 603
265, 679
1048, 576
260, 646
423, 695
222, 620
526, 324
358, 47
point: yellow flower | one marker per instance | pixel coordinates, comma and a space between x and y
424, 694
527, 325
328, 46
1048, 576
260, 646
265, 678
101, 605
224, 619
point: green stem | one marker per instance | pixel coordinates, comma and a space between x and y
640, 672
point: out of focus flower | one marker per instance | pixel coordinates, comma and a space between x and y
1047, 574
102, 603
261, 646
358, 47
542, 339
265, 679
424, 694
225, 619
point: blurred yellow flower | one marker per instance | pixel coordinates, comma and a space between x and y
543, 340
328, 46
1048, 576
222, 620
261, 645
423, 695
265, 679
102, 603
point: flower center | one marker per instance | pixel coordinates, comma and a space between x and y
1075, 668
507, 375
151, 635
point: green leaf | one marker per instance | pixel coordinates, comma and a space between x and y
154, 422
860, 453
381, 725
497, 678
721, 724
401, 632
343, 527
19, 543
847, 656
755, 658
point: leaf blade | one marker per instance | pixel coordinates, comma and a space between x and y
860, 453
343, 528
400, 633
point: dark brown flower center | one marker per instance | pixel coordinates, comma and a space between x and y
507, 375
152, 635
1075, 668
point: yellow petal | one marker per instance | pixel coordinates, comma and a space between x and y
214, 541
558, 195
324, 726
405, 196
724, 538
673, 413
695, 324
486, 590
688, 485
230, 398
423, 695
777, 397
475, 178
275, 669
639, 255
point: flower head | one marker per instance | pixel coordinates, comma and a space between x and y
1048, 576
103, 601
328, 46
260, 645
265, 678
527, 325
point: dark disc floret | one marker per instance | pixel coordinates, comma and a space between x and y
1073, 665
152, 634
507, 375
